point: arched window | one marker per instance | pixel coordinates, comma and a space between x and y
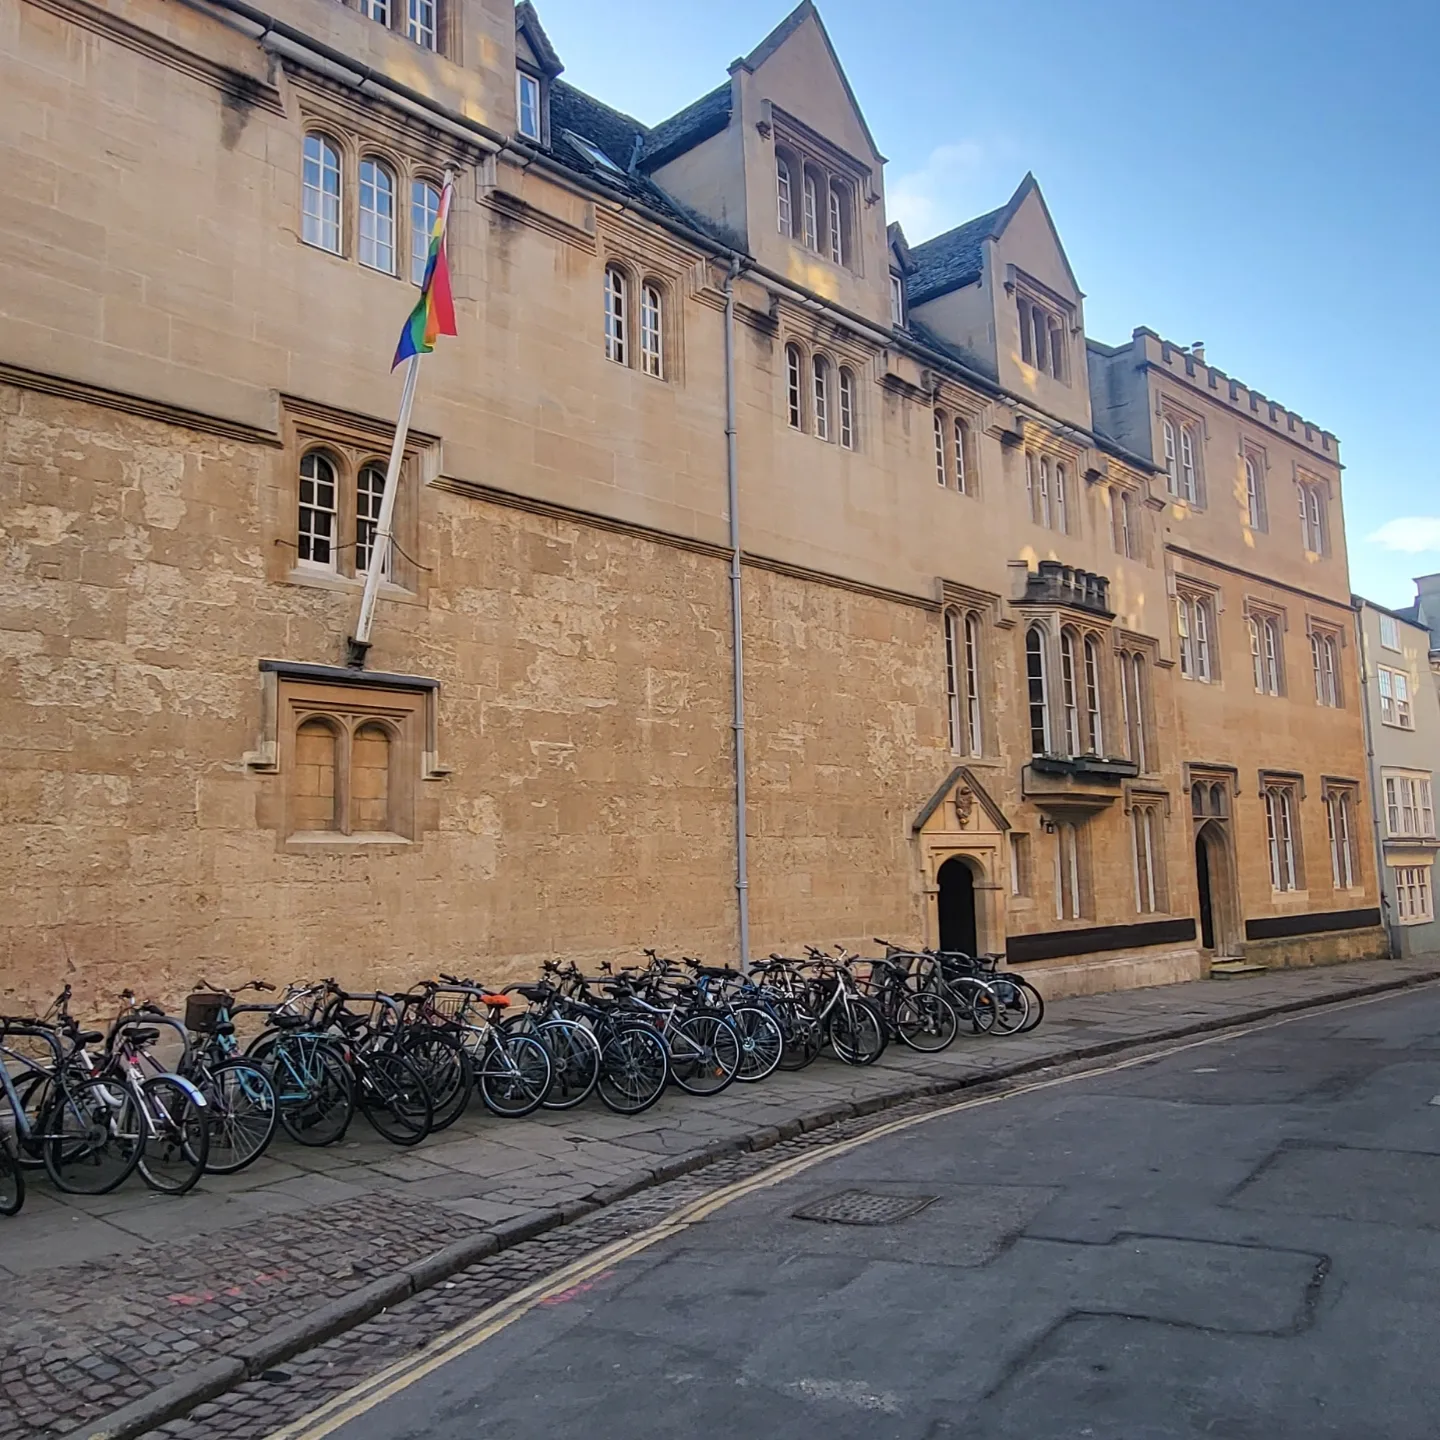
941, 474
1217, 799
784, 194
953, 644
794, 391
1172, 463
1069, 698
1280, 837
1197, 799
812, 212
424, 212
820, 377
1132, 705
652, 330
972, 683
847, 408
370, 778
1147, 887
377, 216
617, 306
1265, 654
1325, 656
369, 495
962, 437
315, 533
1122, 508
1037, 684
315, 769
1254, 501
1062, 519
1043, 493
839, 228
1189, 486
1094, 724
321, 180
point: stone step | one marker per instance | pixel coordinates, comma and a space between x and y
1229, 969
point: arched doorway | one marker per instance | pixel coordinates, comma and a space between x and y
957, 906
1215, 884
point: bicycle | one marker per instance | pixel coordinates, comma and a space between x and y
244, 1110
314, 1090
923, 1019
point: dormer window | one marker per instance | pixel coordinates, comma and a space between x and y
527, 105
815, 198
1043, 338
897, 300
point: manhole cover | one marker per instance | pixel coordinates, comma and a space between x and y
863, 1207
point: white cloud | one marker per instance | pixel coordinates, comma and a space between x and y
1413, 535
942, 193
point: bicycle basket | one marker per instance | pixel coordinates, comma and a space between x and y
203, 1010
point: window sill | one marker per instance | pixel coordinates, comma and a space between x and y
319, 838
333, 580
1396, 725
1416, 920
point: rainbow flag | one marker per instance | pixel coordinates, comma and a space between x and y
434, 312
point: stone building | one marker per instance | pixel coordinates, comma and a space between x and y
940, 610
1400, 673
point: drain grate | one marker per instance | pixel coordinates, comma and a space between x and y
864, 1207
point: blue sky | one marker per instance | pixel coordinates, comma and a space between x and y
1261, 176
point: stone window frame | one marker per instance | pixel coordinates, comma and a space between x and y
964, 690
1341, 799
955, 427
1281, 793
397, 16
1148, 810
1313, 493
1049, 488
1085, 638
1254, 469
1182, 431
812, 165
1125, 512
1041, 312
1197, 621
1074, 888
1266, 626
804, 367
1327, 638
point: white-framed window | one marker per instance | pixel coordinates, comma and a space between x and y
1122, 513
1254, 490
376, 10
942, 476
1280, 836
1062, 498
1389, 632
847, 407
1146, 835
1069, 889
421, 24
897, 299
952, 679
784, 195
1394, 688
1340, 824
1313, 530
1414, 904
1037, 686
315, 531
424, 212
369, 496
1409, 806
838, 227
1194, 618
972, 683
652, 330
527, 105
1069, 692
321, 183
962, 682
1325, 658
1133, 687
617, 315
1042, 337
962, 443
1182, 448
794, 388
377, 215
1037, 485
1265, 654
1094, 723
820, 379
810, 211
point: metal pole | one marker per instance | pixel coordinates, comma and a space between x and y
732, 468
380, 542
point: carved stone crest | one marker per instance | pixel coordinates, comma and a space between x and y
964, 802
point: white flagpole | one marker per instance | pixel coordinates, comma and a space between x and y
382, 543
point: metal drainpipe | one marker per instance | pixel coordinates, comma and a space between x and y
732, 480
1392, 930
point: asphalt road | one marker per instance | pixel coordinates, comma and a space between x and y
1237, 1240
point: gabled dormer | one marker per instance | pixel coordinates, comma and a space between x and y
536, 67
902, 266
1000, 288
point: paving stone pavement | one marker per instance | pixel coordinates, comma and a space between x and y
104, 1301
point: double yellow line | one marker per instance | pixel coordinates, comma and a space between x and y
579, 1273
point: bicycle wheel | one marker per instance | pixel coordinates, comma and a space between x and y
444, 1063
393, 1097
704, 1054
313, 1088
974, 1001
1012, 1005
244, 1115
762, 1042
515, 1075
92, 1136
926, 1022
177, 1136
1037, 1002
575, 1063
12, 1181
35, 1092
857, 1033
804, 1037
634, 1068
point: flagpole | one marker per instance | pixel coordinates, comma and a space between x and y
381, 543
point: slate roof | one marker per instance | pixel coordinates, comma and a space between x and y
708, 116
958, 353
953, 259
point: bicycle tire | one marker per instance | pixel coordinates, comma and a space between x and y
519, 1085
445, 1065
315, 1092
244, 1114
1037, 1002
391, 1094
973, 1001
634, 1069
177, 1136
93, 1136
762, 1042
575, 1062
857, 1033
35, 1091
926, 1022
804, 1037
1012, 1005
12, 1181
706, 1058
